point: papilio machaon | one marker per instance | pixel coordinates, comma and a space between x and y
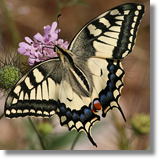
85, 78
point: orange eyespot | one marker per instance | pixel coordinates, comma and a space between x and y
96, 106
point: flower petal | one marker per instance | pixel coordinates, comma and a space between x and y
21, 50
38, 54
28, 40
62, 43
24, 45
53, 27
54, 36
53, 31
47, 30
33, 50
53, 54
31, 61
38, 37
65, 45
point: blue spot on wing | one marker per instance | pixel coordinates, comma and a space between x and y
87, 112
62, 109
109, 94
111, 68
82, 118
112, 77
102, 99
75, 116
110, 85
69, 114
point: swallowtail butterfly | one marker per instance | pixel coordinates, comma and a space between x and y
85, 78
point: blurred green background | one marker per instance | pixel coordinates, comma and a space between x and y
19, 19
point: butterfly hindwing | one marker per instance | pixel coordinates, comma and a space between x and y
110, 35
107, 82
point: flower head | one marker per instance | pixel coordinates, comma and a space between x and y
10, 70
9, 76
42, 47
141, 124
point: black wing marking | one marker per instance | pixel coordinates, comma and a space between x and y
110, 35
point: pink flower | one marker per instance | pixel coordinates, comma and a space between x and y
42, 47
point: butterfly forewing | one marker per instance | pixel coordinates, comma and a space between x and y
111, 35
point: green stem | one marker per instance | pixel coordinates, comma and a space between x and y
123, 141
1, 116
75, 140
38, 134
13, 30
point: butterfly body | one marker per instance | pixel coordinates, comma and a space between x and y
84, 79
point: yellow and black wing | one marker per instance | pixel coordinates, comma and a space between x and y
110, 35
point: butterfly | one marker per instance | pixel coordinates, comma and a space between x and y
85, 78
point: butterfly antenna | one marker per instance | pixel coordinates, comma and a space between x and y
58, 24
